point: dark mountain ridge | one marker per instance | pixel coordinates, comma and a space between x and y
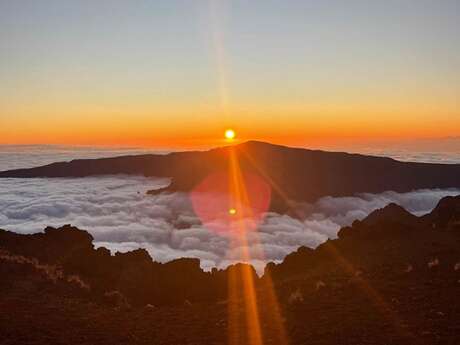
298, 174
392, 278
391, 233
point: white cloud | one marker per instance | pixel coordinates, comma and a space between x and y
116, 211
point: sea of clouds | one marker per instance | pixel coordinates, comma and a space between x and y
29, 156
121, 217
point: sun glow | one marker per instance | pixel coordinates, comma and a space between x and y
230, 134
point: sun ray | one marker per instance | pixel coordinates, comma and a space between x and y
364, 285
219, 54
249, 293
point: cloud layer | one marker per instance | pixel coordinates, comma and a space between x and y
29, 156
116, 211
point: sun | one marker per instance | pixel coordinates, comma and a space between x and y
232, 211
230, 134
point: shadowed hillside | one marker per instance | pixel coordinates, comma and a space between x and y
295, 174
392, 278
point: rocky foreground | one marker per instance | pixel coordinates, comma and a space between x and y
392, 278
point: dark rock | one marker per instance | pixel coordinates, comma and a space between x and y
446, 214
391, 213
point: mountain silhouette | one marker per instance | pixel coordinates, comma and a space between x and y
392, 278
295, 174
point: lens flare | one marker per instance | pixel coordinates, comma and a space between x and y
220, 210
233, 202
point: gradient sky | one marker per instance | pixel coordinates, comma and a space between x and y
177, 73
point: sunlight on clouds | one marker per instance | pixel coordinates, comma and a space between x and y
116, 211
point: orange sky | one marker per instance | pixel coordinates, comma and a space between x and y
176, 75
314, 128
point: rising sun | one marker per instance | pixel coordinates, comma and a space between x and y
230, 134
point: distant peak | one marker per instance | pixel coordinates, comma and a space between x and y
390, 213
257, 143
264, 144
449, 202
446, 211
